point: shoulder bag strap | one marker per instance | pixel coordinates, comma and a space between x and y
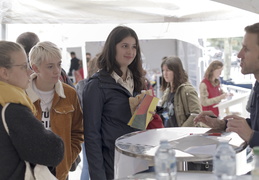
28, 170
3, 118
40, 171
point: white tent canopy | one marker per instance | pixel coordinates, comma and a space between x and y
123, 11
74, 21
71, 23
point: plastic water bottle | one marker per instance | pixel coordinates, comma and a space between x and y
165, 162
224, 162
255, 171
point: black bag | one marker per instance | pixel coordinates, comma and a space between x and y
75, 164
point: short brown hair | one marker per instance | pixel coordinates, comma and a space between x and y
27, 40
254, 29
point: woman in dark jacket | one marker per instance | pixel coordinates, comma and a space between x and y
106, 99
28, 139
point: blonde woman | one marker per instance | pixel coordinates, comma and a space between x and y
57, 103
28, 140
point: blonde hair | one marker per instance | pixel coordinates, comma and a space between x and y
6, 49
43, 51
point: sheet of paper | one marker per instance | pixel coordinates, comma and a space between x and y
204, 150
153, 137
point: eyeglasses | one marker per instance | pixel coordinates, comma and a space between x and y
24, 66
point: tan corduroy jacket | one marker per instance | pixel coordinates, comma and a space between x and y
66, 121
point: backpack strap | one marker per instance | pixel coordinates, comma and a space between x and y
3, 118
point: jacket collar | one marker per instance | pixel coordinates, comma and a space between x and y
107, 81
33, 95
103, 76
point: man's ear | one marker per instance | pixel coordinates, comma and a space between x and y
4, 74
35, 68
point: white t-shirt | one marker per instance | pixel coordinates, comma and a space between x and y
46, 98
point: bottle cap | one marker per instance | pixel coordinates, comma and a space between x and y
163, 141
256, 150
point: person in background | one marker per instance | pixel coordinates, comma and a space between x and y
28, 139
91, 68
74, 64
210, 90
106, 99
56, 102
88, 57
30, 39
79, 74
64, 78
27, 40
148, 85
246, 128
180, 98
179, 101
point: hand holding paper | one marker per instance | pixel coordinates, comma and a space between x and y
141, 105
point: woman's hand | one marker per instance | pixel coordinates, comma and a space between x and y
153, 114
223, 96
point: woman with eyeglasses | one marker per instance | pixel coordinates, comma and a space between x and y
57, 103
28, 140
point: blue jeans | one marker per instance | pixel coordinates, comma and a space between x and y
85, 172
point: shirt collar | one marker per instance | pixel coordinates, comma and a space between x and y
119, 79
127, 84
